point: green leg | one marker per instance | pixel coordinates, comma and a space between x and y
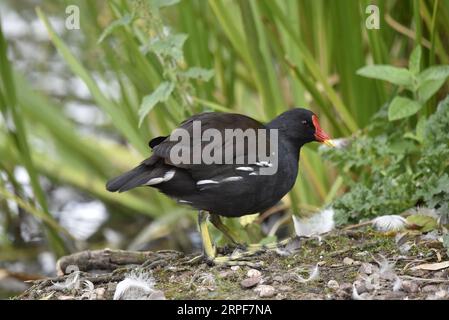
231, 235
208, 246
210, 250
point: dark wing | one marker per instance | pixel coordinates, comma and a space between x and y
209, 120
158, 170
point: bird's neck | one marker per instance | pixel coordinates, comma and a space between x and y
290, 143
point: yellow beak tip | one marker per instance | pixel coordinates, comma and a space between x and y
329, 143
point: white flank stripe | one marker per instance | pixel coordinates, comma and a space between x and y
205, 182
253, 174
245, 169
167, 176
236, 178
154, 181
264, 164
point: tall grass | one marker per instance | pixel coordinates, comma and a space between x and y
267, 56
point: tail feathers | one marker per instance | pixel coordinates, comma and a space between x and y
131, 179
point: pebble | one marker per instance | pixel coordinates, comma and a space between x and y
429, 288
409, 286
441, 294
278, 279
347, 287
366, 268
235, 268
394, 295
333, 284
250, 282
157, 295
265, 291
360, 286
253, 273
348, 261
285, 288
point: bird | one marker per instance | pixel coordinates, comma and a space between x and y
245, 181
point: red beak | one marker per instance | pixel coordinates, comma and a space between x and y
320, 135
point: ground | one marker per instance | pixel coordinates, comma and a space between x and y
357, 263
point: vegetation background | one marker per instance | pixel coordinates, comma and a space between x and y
80, 104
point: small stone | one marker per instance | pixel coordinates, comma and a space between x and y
250, 282
430, 288
333, 284
348, 261
366, 268
441, 294
235, 268
285, 288
265, 291
409, 286
157, 295
360, 286
100, 293
66, 298
224, 274
253, 273
278, 279
393, 295
347, 287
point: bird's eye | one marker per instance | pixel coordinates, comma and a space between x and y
304, 122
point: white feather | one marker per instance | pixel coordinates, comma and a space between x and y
264, 164
319, 223
167, 176
206, 182
245, 169
135, 286
232, 179
389, 223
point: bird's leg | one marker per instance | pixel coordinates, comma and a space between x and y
210, 251
208, 246
231, 235
270, 246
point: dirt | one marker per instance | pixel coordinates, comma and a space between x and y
353, 264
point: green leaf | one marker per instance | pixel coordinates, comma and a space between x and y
398, 76
161, 94
402, 107
423, 222
123, 21
434, 73
429, 88
199, 73
420, 128
415, 60
169, 46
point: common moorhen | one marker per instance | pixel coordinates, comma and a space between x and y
237, 184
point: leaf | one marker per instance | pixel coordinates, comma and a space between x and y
415, 61
422, 222
434, 73
402, 107
420, 128
169, 46
429, 88
398, 76
432, 266
199, 73
161, 94
123, 21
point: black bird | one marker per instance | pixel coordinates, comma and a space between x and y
236, 186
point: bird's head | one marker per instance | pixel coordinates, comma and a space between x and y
301, 125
